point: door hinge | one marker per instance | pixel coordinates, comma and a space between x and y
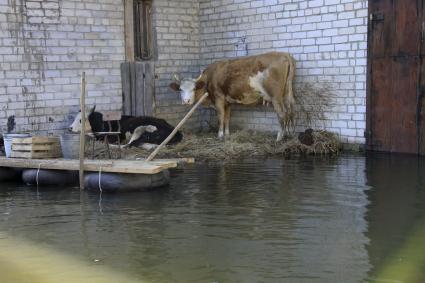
423, 31
367, 134
376, 16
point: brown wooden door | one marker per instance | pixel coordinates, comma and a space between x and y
396, 82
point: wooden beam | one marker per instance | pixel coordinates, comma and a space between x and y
129, 30
113, 166
83, 129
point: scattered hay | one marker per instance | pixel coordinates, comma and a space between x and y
239, 145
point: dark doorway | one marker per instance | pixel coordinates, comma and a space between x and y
396, 82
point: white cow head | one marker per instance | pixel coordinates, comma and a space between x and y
76, 125
190, 89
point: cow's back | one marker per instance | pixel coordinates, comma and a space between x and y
232, 77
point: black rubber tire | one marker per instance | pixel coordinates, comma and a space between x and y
10, 174
50, 177
116, 182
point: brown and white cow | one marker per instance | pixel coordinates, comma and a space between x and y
250, 81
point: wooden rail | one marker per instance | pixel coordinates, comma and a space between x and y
83, 129
113, 166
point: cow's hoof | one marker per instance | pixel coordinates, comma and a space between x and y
279, 137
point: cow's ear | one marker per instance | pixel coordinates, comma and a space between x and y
93, 109
175, 86
200, 85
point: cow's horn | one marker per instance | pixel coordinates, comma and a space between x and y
176, 78
199, 76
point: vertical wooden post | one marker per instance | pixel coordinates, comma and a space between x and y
129, 30
83, 128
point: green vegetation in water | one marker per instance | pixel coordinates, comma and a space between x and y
18, 265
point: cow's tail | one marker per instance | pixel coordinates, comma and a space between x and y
289, 98
290, 79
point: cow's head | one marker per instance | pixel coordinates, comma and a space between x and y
190, 89
76, 125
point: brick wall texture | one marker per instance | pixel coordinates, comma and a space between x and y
45, 45
328, 39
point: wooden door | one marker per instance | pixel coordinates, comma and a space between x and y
396, 82
138, 88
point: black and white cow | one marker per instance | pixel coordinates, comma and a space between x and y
143, 131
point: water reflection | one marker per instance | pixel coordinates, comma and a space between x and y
396, 214
273, 220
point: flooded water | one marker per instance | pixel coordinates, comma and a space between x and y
347, 219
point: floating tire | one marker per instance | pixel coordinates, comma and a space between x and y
10, 174
121, 182
50, 177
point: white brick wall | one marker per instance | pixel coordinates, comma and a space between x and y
44, 47
177, 31
327, 38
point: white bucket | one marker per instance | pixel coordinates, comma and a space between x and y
8, 141
70, 144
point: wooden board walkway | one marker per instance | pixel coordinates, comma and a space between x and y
116, 166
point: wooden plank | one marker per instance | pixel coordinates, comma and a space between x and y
35, 147
36, 139
149, 85
139, 93
403, 114
380, 25
420, 107
129, 30
35, 154
407, 27
133, 80
183, 160
113, 166
126, 88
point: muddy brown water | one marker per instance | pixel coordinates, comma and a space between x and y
345, 219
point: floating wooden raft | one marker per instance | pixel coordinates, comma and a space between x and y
36, 147
116, 166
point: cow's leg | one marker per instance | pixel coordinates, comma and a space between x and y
227, 120
220, 107
282, 116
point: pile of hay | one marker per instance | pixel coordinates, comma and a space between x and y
239, 145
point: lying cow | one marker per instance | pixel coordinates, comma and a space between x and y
144, 131
250, 80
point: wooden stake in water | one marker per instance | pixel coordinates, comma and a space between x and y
155, 152
83, 128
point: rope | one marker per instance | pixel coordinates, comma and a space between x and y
100, 179
100, 189
36, 176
